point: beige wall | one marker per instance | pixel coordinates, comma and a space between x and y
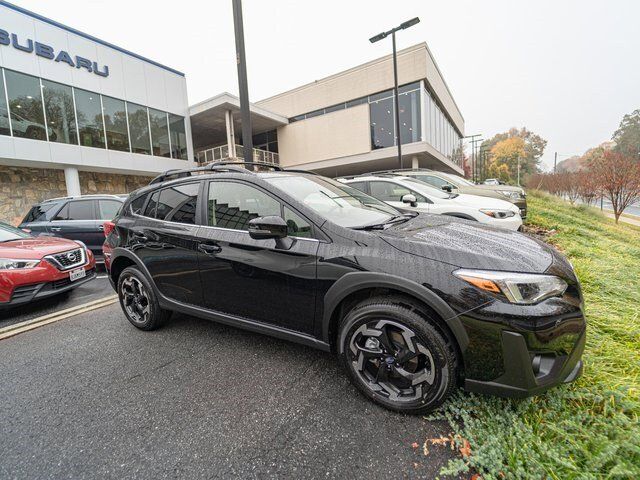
336, 134
414, 63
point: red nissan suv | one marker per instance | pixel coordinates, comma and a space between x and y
36, 267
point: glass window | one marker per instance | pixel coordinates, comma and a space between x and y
8, 233
296, 225
357, 101
334, 108
409, 87
159, 133
108, 209
40, 213
4, 111
381, 95
382, 123
61, 117
335, 201
115, 122
137, 204
432, 180
25, 105
150, 211
232, 205
139, 128
392, 192
78, 210
89, 112
315, 113
362, 186
409, 104
178, 204
178, 137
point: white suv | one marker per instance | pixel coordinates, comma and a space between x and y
411, 194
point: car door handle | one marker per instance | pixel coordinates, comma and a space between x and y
101, 228
56, 229
209, 248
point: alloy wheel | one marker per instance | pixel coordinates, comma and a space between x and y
135, 299
392, 361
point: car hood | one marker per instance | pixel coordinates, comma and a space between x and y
35, 248
479, 202
506, 188
468, 244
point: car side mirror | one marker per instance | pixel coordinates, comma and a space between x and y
410, 199
446, 188
271, 226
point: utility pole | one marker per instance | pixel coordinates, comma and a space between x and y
241, 59
518, 170
555, 162
473, 154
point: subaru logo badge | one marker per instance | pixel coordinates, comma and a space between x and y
71, 256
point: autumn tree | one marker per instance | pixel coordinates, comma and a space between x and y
627, 136
619, 179
527, 144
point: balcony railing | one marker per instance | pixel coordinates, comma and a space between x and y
221, 153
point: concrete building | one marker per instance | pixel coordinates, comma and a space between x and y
79, 115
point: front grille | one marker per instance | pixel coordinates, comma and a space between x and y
68, 260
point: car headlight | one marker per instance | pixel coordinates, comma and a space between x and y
17, 263
492, 212
513, 195
520, 288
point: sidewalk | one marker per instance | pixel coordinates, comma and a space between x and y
631, 219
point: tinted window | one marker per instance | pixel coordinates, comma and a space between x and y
108, 209
178, 137
90, 124
4, 112
233, 205
137, 204
159, 133
178, 204
139, 128
296, 225
81, 210
25, 105
61, 117
41, 213
150, 211
115, 122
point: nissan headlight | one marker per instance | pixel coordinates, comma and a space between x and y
17, 263
496, 213
520, 288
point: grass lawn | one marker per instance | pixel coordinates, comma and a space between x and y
589, 429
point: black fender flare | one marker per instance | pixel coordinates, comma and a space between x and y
354, 281
120, 252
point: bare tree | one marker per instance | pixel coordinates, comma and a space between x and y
619, 178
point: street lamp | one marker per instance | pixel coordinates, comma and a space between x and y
376, 38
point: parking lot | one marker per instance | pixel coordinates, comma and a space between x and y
91, 396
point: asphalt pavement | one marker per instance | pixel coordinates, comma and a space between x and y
93, 397
87, 292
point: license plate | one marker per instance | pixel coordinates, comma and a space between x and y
77, 274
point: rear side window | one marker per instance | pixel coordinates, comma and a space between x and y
137, 204
108, 209
81, 210
150, 211
41, 213
178, 203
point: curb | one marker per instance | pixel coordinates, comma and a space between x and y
22, 327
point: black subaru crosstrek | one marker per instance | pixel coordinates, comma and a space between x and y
414, 304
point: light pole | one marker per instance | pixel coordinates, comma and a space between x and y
245, 112
376, 38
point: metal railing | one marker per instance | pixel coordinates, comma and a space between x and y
221, 153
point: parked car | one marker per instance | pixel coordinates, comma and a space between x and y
411, 194
76, 218
414, 304
32, 268
457, 184
493, 181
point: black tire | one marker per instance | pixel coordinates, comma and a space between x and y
409, 366
139, 302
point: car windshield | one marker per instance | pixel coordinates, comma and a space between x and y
8, 233
336, 202
427, 189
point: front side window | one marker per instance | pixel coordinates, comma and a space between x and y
433, 180
232, 205
61, 117
25, 105
159, 133
115, 122
334, 201
178, 204
139, 128
90, 122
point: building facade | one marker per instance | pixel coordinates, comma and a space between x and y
79, 115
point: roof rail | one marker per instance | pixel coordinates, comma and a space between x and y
89, 195
299, 170
231, 166
380, 173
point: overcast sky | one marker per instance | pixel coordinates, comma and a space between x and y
566, 69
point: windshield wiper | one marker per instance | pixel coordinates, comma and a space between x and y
393, 220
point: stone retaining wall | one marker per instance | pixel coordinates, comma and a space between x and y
21, 187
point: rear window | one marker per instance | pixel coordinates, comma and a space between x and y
40, 213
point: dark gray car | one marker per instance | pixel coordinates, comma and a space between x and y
76, 218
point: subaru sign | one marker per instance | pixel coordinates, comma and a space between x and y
42, 50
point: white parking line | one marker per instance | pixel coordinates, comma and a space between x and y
28, 325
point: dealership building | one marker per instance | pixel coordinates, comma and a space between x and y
79, 115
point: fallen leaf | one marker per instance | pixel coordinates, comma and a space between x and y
465, 450
475, 476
